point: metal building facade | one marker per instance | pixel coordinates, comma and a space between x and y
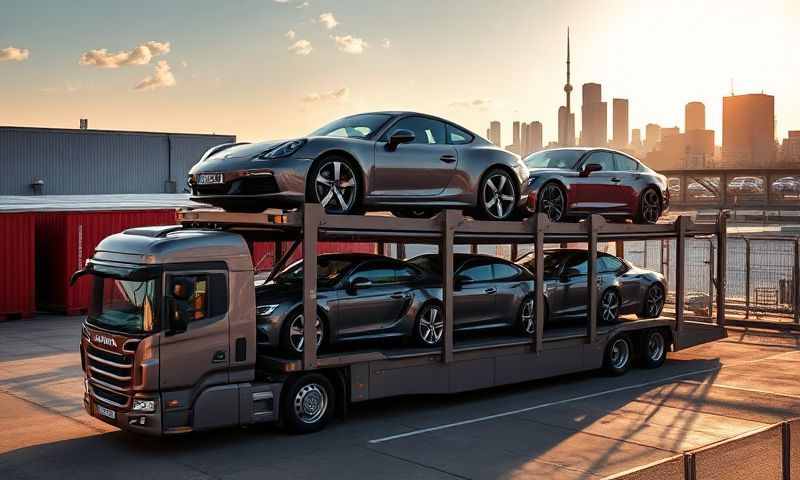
73, 161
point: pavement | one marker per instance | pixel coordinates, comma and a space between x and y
572, 427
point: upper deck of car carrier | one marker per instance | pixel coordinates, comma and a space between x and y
476, 361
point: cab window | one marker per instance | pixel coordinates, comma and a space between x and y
190, 294
426, 131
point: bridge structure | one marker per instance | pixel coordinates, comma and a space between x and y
757, 189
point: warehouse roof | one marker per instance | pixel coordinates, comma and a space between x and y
111, 132
64, 203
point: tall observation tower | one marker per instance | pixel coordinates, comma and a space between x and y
566, 119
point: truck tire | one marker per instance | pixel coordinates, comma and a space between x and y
307, 403
619, 353
653, 348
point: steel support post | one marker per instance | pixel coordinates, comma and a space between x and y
592, 224
401, 251
451, 219
680, 267
540, 225
381, 248
514, 252
277, 251
796, 281
710, 278
473, 248
722, 265
746, 278
312, 215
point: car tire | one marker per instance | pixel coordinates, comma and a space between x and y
429, 325
653, 347
497, 195
654, 299
307, 403
649, 209
288, 339
608, 309
618, 355
527, 325
325, 188
552, 201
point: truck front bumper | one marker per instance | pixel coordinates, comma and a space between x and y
144, 423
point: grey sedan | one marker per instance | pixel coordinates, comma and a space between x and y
410, 163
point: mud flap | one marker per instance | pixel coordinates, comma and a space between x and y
696, 333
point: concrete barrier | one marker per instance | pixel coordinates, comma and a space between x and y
672, 468
753, 455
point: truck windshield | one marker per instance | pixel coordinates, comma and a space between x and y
123, 305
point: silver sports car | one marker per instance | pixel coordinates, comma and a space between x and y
409, 163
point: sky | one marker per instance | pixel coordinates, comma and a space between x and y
264, 69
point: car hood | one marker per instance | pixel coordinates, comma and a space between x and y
238, 157
276, 292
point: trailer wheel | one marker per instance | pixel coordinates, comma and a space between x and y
653, 348
308, 402
618, 355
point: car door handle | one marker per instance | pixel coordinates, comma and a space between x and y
490, 290
398, 295
448, 158
616, 179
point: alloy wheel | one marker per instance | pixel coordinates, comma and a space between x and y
619, 354
335, 187
431, 325
551, 202
296, 337
609, 306
654, 302
651, 206
498, 195
310, 403
528, 316
656, 346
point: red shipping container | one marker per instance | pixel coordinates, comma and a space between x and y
64, 240
18, 261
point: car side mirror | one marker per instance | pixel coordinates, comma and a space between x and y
589, 168
358, 282
398, 137
178, 318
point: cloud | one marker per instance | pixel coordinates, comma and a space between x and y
162, 77
328, 20
350, 44
301, 47
302, 5
481, 104
281, 1
290, 34
140, 55
14, 54
340, 94
386, 43
54, 90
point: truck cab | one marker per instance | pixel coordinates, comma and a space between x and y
168, 344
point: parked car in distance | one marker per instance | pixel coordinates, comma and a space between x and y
574, 182
410, 163
622, 287
786, 185
742, 185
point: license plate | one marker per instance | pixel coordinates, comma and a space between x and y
106, 412
209, 178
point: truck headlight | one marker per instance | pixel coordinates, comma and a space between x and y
264, 310
144, 406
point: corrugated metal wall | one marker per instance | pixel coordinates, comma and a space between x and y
95, 161
17, 265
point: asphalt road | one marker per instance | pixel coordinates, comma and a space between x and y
577, 426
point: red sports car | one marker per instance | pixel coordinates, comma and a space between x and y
573, 182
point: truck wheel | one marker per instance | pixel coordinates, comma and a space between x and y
653, 348
618, 356
307, 403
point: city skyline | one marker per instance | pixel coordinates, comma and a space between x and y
286, 67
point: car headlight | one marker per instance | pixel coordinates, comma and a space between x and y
144, 406
264, 310
288, 148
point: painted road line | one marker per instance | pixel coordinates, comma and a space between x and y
572, 399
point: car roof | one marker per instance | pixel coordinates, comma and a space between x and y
460, 258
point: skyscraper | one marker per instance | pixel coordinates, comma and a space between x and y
523, 132
620, 128
534, 137
636, 138
652, 133
493, 134
594, 117
515, 132
748, 130
566, 119
695, 118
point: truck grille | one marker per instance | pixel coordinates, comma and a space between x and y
110, 375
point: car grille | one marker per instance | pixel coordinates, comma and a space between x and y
257, 185
110, 375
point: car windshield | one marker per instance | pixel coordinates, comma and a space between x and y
123, 305
357, 126
553, 159
329, 271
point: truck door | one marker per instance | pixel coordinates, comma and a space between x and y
197, 351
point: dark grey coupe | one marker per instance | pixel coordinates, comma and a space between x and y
410, 163
623, 288
363, 296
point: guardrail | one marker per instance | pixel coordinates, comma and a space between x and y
769, 453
